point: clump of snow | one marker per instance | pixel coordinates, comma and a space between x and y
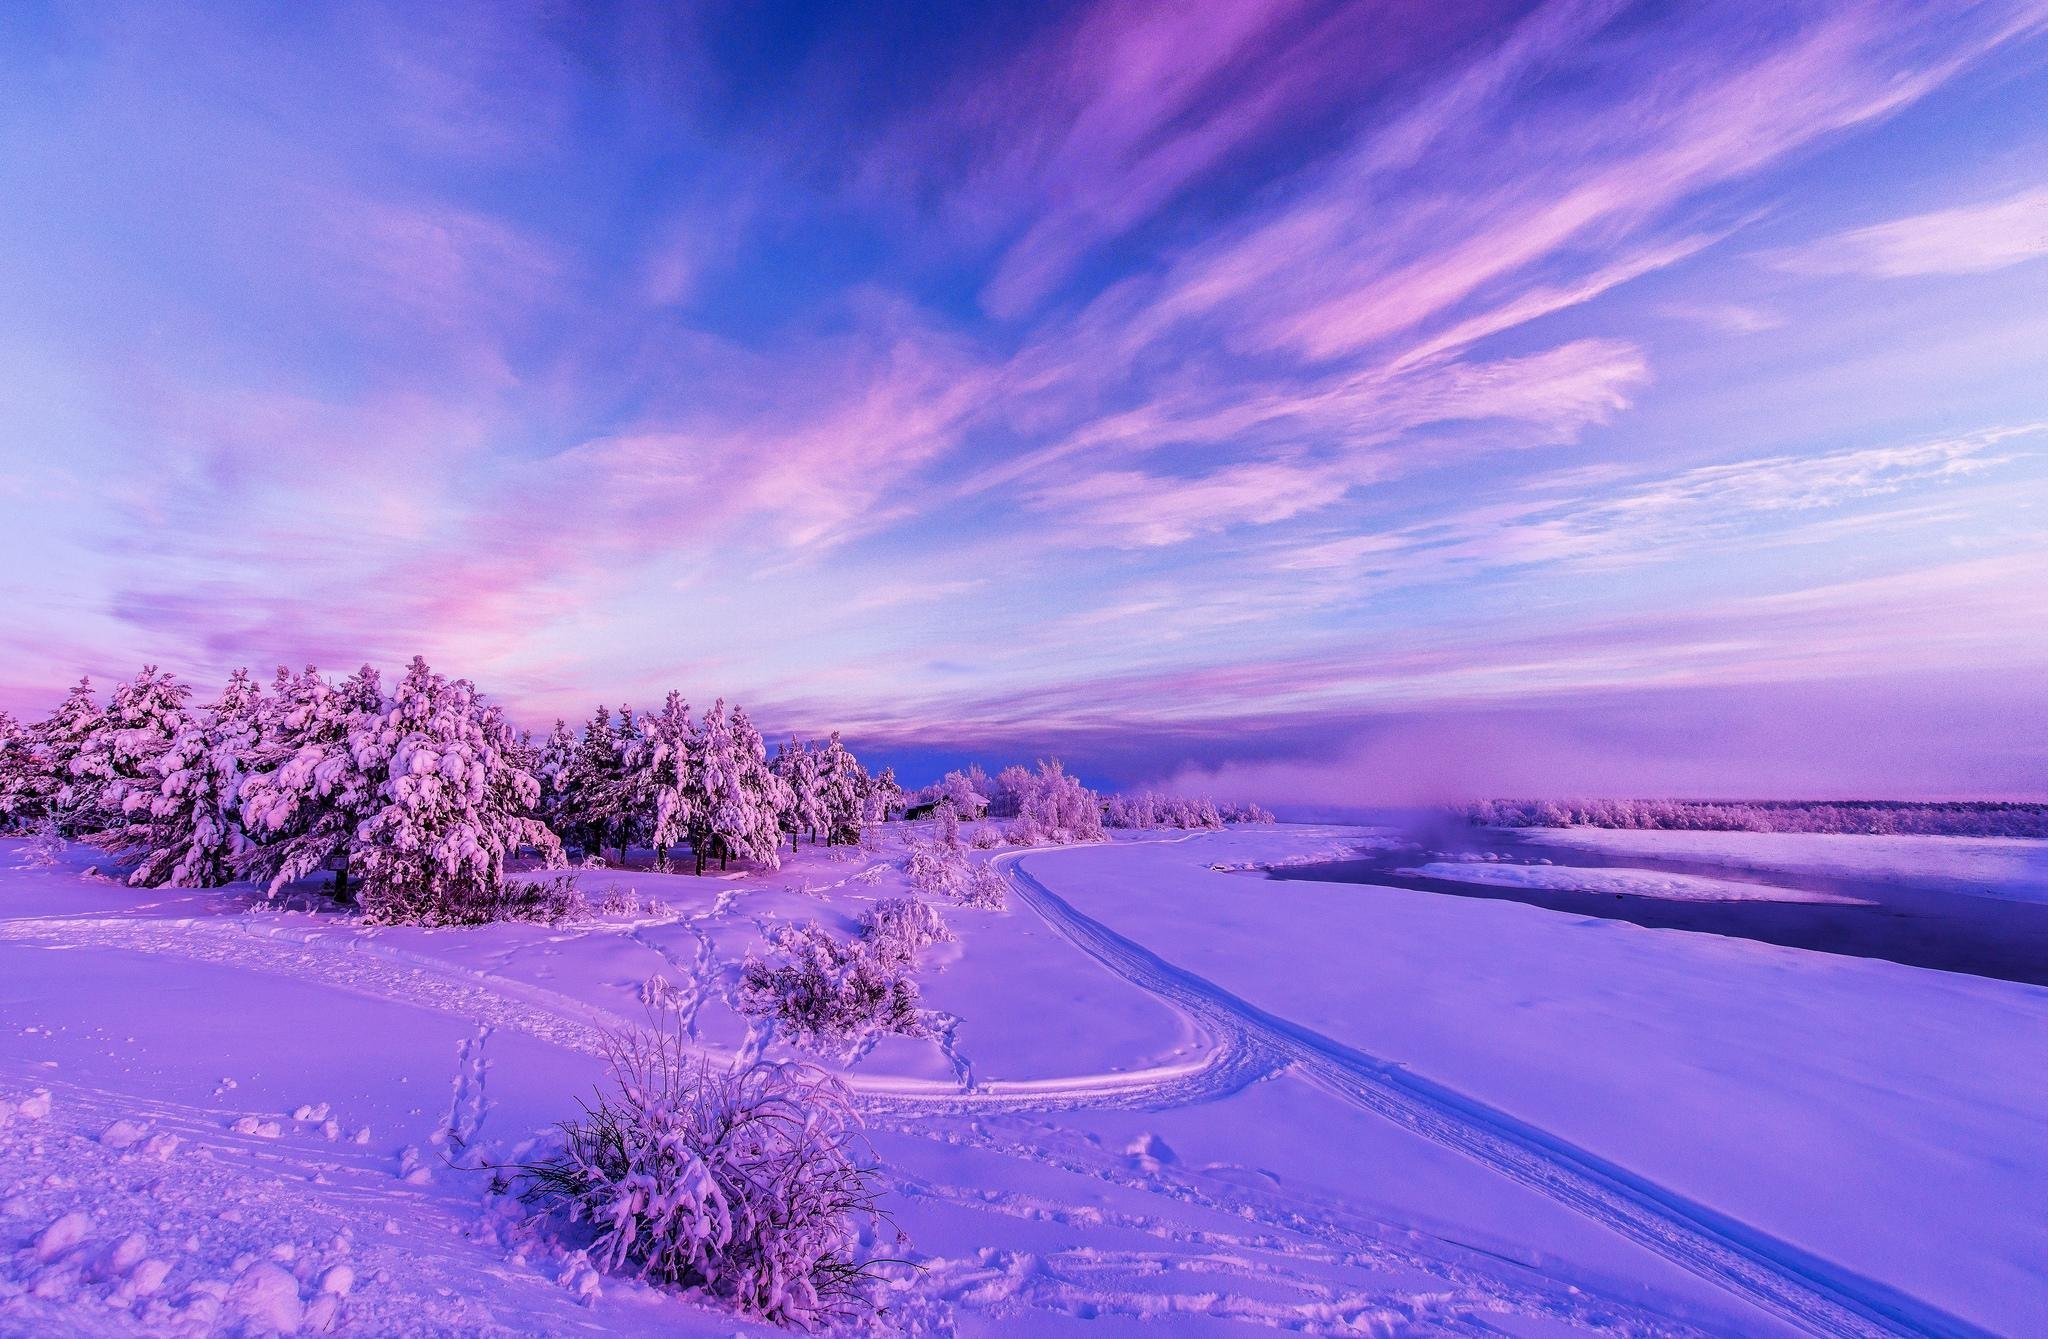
741, 1183
62, 1235
123, 1134
266, 1300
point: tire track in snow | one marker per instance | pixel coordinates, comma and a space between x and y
1805, 1290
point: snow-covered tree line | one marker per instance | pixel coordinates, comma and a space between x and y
1048, 805
414, 799
1902, 817
1149, 809
1041, 806
664, 781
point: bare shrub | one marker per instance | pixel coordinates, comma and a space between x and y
44, 847
747, 1183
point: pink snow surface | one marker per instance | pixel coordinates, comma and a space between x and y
1158, 1098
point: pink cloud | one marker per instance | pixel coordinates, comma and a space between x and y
1971, 239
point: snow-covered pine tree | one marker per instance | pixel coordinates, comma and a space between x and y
658, 768
623, 806
842, 791
113, 769
186, 831
59, 740
453, 805
796, 764
309, 787
768, 798
714, 784
556, 756
24, 797
884, 797
590, 788
731, 802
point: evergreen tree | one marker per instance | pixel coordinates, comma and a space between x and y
885, 796
452, 806
187, 831
658, 768
796, 764
733, 794
312, 784
623, 804
557, 752
58, 741
591, 790
24, 798
842, 792
755, 830
114, 769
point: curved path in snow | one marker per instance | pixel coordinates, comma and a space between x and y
362, 964
1806, 1291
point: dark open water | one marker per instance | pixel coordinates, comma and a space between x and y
1920, 926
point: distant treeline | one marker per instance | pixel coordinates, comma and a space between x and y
1968, 819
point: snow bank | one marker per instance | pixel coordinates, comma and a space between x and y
1622, 882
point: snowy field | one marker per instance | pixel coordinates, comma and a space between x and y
1161, 1097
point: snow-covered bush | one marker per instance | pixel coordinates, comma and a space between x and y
985, 837
747, 1184
1149, 809
947, 871
897, 929
835, 996
548, 901
946, 824
1052, 808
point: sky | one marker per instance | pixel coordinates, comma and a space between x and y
1322, 400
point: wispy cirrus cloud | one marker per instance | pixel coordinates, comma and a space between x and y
1071, 351
1972, 239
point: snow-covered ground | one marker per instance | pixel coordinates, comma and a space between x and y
1162, 1097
